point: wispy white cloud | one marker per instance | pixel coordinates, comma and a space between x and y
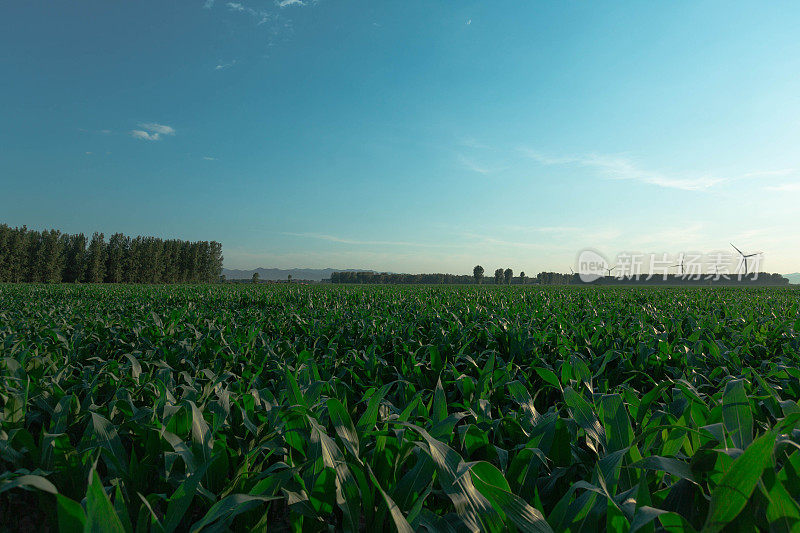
162, 129
207, 158
208, 4
262, 15
469, 22
785, 187
139, 134
770, 173
624, 168
152, 131
471, 164
621, 168
223, 66
287, 3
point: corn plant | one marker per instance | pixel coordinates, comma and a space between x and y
297, 408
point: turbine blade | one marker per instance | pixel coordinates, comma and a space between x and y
738, 250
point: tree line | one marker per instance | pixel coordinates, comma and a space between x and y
51, 256
501, 276
388, 278
506, 277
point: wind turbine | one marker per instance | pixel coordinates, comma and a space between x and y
610, 269
744, 257
571, 271
679, 265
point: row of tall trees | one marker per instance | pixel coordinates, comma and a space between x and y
500, 276
52, 256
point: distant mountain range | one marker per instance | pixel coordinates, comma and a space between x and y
793, 278
313, 274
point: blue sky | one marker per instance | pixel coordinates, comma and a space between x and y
407, 136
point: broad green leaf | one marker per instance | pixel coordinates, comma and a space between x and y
491, 483
370, 416
670, 465
28, 481
671, 521
736, 486
201, 435
616, 423
181, 499
584, 415
399, 521
736, 414
473, 508
439, 406
225, 510
343, 425
548, 376
783, 511
101, 516
71, 517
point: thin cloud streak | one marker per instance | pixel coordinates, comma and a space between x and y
785, 187
623, 168
471, 165
770, 173
223, 66
619, 168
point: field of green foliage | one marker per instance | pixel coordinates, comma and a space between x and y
317, 408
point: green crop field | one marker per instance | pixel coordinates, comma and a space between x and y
177, 408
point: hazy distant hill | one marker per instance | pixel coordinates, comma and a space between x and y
793, 278
314, 274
